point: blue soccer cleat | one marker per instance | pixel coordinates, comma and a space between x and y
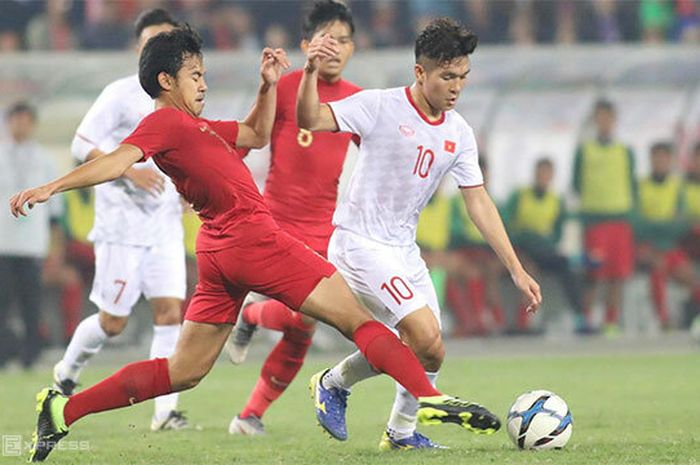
330, 404
416, 441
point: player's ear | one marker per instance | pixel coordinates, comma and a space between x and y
165, 81
304, 45
419, 72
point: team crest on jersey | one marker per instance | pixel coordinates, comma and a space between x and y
304, 137
406, 130
450, 146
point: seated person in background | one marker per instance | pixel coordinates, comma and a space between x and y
70, 263
659, 227
481, 271
691, 241
534, 217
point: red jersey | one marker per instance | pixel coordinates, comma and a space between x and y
198, 155
302, 186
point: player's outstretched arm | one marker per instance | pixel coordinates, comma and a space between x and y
255, 130
486, 218
102, 169
311, 114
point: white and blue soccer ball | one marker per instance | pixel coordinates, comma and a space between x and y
539, 420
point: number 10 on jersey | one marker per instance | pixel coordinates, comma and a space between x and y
424, 162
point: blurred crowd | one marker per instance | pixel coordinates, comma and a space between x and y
59, 25
647, 227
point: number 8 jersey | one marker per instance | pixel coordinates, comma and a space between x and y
403, 157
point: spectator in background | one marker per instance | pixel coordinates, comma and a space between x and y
51, 30
660, 225
656, 17
232, 28
71, 268
276, 36
691, 241
105, 29
23, 244
480, 311
488, 19
535, 216
566, 24
606, 21
687, 23
384, 25
604, 178
522, 23
10, 41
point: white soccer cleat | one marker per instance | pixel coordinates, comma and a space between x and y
176, 420
238, 343
248, 426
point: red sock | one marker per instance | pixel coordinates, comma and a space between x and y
658, 294
460, 307
477, 302
386, 353
134, 383
280, 368
270, 314
72, 307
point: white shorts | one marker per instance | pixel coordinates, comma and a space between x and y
392, 281
124, 272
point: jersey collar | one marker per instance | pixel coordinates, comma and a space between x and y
420, 113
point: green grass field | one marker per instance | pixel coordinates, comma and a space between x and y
627, 410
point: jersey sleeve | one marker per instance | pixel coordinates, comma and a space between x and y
157, 133
98, 123
465, 169
226, 129
357, 113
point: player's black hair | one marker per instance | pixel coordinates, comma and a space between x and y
444, 40
604, 105
21, 107
165, 53
544, 161
325, 12
662, 147
154, 17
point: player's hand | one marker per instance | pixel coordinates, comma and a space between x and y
321, 47
30, 197
274, 62
530, 289
147, 179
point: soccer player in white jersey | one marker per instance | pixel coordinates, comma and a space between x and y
411, 137
137, 234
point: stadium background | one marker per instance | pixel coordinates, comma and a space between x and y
539, 69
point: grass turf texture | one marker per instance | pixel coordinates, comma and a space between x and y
627, 410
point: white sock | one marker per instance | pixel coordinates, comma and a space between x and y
86, 342
351, 370
163, 346
402, 421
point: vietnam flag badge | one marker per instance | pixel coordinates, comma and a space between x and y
450, 146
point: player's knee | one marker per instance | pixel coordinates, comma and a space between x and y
166, 312
112, 325
430, 351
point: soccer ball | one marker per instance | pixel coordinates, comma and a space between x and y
539, 420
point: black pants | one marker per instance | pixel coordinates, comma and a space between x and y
20, 284
549, 261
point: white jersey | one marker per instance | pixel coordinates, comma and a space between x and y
125, 214
403, 157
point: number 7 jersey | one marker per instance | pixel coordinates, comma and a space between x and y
403, 157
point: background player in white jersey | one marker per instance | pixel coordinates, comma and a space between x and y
410, 139
137, 234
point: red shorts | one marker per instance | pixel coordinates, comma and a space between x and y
312, 237
613, 244
275, 265
674, 259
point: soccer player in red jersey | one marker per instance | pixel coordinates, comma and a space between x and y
301, 192
240, 248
